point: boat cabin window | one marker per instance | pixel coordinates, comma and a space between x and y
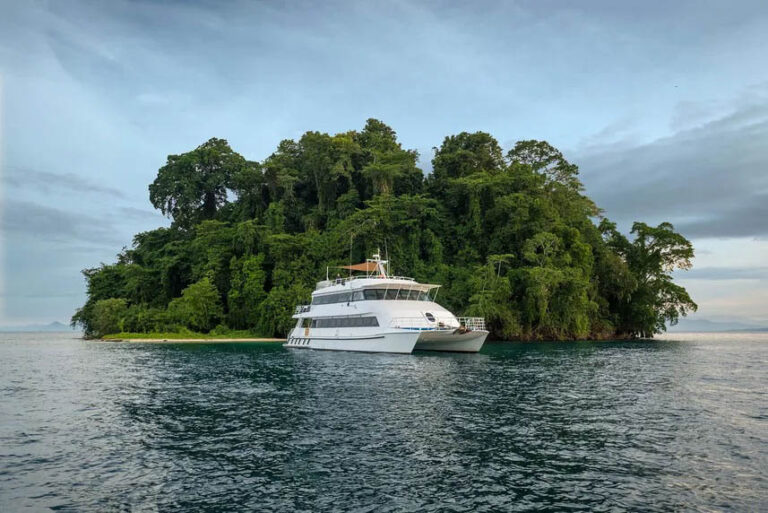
327, 299
344, 322
372, 294
398, 294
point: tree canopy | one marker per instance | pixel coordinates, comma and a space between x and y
192, 186
511, 237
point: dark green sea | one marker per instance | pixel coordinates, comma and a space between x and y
679, 424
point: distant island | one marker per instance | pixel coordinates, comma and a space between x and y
707, 326
510, 236
52, 326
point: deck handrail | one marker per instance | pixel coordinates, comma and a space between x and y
472, 323
341, 281
417, 322
345, 279
300, 309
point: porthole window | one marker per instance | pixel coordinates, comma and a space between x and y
430, 317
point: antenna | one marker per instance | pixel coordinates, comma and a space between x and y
386, 252
351, 238
376, 257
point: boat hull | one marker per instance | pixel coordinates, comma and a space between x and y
401, 342
469, 342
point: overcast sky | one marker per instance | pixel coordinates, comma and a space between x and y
663, 105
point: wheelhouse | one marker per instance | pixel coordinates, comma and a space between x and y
375, 294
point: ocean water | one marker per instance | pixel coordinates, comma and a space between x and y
679, 424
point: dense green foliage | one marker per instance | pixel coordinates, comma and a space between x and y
510, 237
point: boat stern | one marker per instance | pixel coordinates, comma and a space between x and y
460, 341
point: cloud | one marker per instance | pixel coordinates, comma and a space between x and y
742, 219
725, 273
140, 214
47, 223
710, 180
616, 132
25, 178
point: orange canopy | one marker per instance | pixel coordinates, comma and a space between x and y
366, 266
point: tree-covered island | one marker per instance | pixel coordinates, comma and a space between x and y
511, 237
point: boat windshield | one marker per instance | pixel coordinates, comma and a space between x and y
397, 294
373, 294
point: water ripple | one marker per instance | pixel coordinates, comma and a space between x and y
651, 426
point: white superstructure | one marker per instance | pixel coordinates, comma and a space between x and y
375, 312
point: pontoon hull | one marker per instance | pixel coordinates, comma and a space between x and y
469, 342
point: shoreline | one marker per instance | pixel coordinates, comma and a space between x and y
192, 340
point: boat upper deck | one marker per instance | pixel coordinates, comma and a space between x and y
363, 282
376, 277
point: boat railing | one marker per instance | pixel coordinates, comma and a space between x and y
341, 281
472, 323
300, 309
416, 322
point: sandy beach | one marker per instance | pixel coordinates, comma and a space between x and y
192, 340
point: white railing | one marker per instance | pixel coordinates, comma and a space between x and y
417, 322
341, 281
300, 309
472, 323
337, 281
421, 323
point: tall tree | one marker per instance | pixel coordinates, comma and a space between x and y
651, 257
250, 185
392, 168
199, 307
464, 154
192, 186
377, 136
547, 160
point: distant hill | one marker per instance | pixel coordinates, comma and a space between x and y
53, 326
704, 325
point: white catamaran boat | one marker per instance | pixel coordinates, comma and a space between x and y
375, 312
